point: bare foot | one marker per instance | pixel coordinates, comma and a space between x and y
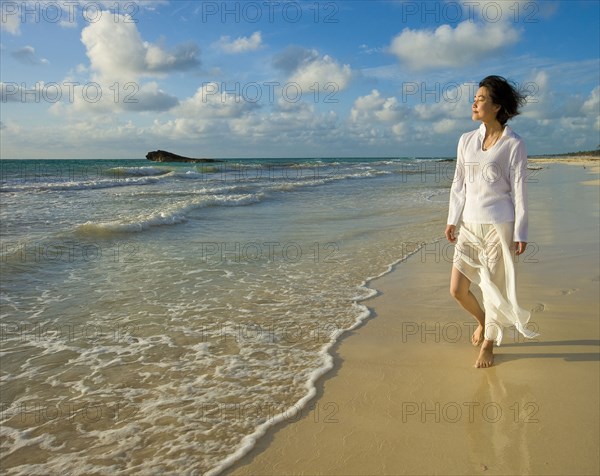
477, 337
486, 355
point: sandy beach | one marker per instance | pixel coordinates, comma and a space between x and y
592, 164
404, 396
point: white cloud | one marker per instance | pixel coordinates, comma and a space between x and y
26, 55
591, 106
318, 73
286, 128
9, 92
241, 44
294, 123
400, 130
149, 97
179, 129
119, 58
370, 102
95, 98
210, 102
447, 47
444, 126
374, 108
375, 119
450, 100
439, 116
366, 49
118, 53
292, 57
66, 12
10, 18
542, 102
311, 72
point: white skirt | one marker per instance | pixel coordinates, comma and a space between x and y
483, 254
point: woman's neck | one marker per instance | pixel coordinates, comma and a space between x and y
493, 132
493, 127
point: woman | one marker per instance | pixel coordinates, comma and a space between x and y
489, 199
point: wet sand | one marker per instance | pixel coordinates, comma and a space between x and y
404, 396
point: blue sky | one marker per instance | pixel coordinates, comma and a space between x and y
115, 79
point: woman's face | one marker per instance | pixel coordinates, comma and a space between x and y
483, 108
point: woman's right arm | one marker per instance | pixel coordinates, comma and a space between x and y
457, 193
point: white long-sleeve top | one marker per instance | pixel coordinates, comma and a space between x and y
490, 186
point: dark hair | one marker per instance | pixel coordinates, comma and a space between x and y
505, 95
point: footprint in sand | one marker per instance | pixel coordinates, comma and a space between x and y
565, 292
539, 307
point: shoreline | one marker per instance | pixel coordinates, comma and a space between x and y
565, 158
583, 161
331, 364
574, 160
334, 434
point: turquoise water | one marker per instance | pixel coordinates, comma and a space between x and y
158, 318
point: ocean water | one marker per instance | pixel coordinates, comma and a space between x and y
157, 318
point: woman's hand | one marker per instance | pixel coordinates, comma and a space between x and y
520, 247
450, 236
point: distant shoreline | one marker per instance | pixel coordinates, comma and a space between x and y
587, 153
571, 159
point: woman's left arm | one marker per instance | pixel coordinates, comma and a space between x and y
518, 179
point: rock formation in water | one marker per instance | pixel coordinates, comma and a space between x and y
164, 156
